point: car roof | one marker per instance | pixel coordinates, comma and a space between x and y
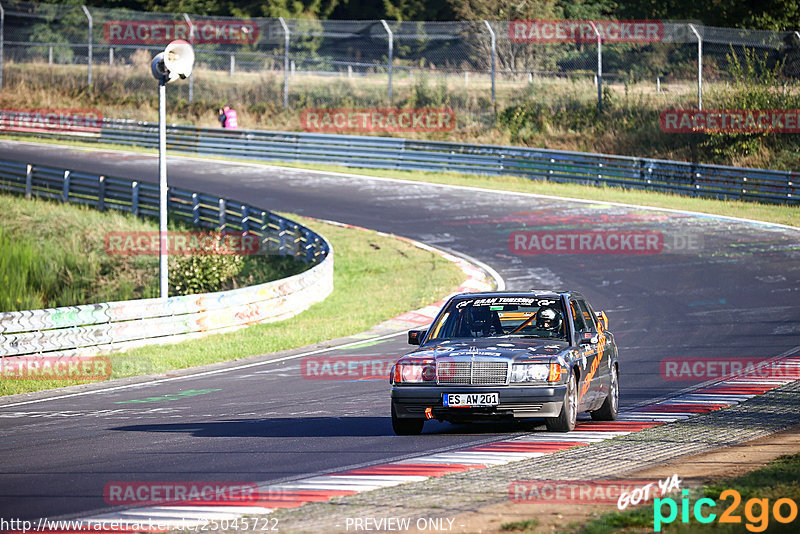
546, 293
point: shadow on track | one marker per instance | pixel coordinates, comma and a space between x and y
311, 427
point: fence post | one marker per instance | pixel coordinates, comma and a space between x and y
264, 232
195, 209
233, 64
101, 193
2, 38
285, 63
29, 181
65, 187
135, 198
282, 236
391, 56
494, 53
91, 22
245, 220
191, 42
110, 56
699, 67
599, 66
223, 213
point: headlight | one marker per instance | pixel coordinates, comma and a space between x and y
415, 372
530, 372
536, 372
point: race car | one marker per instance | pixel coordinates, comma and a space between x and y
508, 355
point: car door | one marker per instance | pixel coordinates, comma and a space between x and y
591, 353
605, 351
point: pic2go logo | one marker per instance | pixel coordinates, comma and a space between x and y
756, 511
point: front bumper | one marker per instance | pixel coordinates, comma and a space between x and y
410, 402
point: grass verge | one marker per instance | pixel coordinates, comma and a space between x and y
759, 490
520, 526
54, 254
376, 278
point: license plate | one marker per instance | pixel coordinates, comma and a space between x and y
469, 400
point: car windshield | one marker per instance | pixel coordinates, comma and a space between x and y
500, 317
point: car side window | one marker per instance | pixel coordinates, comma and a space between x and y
588, 316
577, 318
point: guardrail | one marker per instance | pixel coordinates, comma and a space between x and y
715, 181
105, 327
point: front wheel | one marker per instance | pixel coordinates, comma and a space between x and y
565, 421
610, 408
406, 427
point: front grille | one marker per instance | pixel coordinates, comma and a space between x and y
453, 372
478, 372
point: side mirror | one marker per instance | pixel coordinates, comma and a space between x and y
415, 336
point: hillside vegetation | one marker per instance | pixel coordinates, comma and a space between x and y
547, 113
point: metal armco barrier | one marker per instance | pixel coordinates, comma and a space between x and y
110, 326
714, 181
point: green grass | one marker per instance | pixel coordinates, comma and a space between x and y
375, 278
527, 525
775, 481
53, 255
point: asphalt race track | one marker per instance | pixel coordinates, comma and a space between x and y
716, 288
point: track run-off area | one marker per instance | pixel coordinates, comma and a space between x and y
710, 289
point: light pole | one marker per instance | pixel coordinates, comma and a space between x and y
176, 61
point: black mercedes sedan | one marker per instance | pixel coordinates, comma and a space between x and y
508, 355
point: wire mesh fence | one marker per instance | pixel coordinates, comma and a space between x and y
475, 67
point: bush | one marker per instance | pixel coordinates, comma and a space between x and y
756, 83
203, 272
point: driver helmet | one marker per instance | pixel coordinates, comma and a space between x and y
548, 319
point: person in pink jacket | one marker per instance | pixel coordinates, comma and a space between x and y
228, 118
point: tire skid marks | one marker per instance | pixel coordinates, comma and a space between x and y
704, 399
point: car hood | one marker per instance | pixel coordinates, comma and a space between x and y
516, 349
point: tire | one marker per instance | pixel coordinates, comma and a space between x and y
406, 427
610, 408
565, 421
